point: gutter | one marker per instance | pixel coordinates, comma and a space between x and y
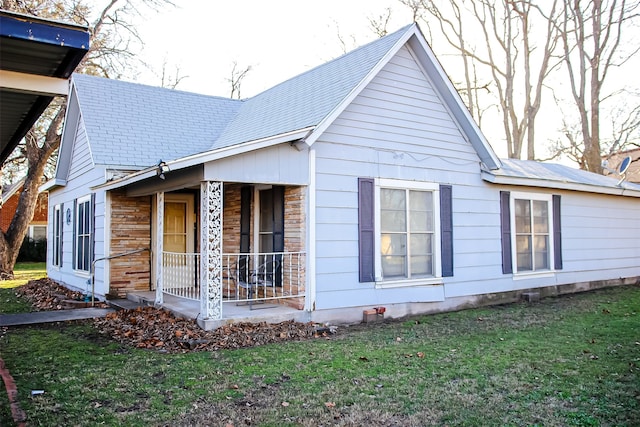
561, 185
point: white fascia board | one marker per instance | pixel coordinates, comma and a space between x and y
333, 115
207, 156
51, 184
33, 84
558, 185
444, 87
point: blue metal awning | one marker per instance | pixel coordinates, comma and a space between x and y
37, 56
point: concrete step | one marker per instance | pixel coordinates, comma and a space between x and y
124, 304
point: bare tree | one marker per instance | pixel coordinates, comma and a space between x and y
111, 33
592, 40
497, 38
237, 76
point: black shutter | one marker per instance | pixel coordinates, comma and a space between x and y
245, 230
446, 229
92, 238
62, 221
278, 229
557, 234
505, 227
75, 233
366, 230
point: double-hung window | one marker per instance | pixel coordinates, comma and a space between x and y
405, 231
531, 232
57, 236
407, 235
83, 234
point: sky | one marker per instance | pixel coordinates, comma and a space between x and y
277, 38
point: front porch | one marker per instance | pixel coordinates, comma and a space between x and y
232, 313
218, 253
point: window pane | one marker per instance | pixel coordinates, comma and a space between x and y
421, 211
421, 255
392, 206
523, 216
421, 244
266, 242
80, 218
523, 253
39, 232
542, 252
85, 258
421, 266
393, 244
394, 255
394, 266
87, 218
266, 210
540, 216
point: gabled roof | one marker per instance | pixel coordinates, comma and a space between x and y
305, 100
531, 173
11, 189
133, 126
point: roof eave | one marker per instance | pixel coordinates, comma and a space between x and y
208, 156
559, 185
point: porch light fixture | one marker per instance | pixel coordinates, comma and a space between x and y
162, 169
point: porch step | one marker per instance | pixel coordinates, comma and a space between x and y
124, 304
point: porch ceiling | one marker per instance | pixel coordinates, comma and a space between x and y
37, 57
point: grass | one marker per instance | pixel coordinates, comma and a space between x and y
567, 361
23, 272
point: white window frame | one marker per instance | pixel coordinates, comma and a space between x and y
514, 250
395, 184
58, 218
32, 229
80, 201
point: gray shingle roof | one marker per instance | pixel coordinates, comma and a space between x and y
134, 126
306, 99
554, 173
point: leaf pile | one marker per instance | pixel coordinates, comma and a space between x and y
154, 328
46, 295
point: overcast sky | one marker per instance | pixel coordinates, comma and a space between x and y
277, 38
282, 38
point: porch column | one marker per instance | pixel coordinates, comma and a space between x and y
211, 250
159, 245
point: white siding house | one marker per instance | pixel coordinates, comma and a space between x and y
361, 183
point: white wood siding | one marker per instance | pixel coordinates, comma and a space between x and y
82, 175
398, 128
280, 164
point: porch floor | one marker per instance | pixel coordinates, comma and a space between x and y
231, 312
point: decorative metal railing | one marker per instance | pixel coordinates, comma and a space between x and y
246, 277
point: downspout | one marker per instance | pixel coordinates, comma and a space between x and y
93, 268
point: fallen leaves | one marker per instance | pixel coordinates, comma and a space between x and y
158, 329
154, 328
47, 295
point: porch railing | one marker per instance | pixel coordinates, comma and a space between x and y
247, 278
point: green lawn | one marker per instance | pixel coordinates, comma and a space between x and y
23, 272
567, 361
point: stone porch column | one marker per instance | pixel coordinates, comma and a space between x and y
159, 245
211, 250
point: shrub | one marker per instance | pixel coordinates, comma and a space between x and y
33, 250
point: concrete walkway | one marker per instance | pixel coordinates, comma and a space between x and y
38, 317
